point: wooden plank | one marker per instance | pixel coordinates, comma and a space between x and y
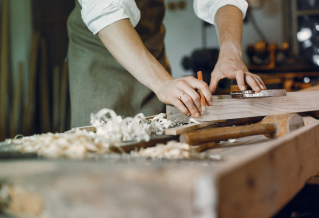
17, 103
308, 120
45, 107
56, 98
267, 176
313, 88
28, 114
63, 97
4, 70
225, 107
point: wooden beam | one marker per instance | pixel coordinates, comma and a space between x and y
63, 97
225, 107
28, 115
45, 107
268, 175
4, 70
56, 98
312, 88
17, 102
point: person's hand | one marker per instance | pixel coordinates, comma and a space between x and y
182, 94
231, 66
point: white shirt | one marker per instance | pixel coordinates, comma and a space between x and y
98, 14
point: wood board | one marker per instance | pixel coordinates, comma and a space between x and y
4, 70
28, 113
63, 97
56, 98
225, 107
255, 179
17, 102
45, 105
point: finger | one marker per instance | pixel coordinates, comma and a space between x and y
201, 85
240, 78
181, 107
188, 102
213, 83
261, 82
258, 82
252, 82
189, 90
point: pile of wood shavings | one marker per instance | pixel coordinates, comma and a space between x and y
78, 145
171, 150
110, 131
117, 129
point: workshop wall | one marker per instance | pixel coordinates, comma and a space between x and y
183, 31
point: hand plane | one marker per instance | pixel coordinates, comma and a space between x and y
261, 94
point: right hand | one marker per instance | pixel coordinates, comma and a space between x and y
182, 94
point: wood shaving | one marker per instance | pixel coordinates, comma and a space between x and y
76, 145
111, 129
117, 129
171, 150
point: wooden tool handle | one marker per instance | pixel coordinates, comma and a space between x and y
225, 133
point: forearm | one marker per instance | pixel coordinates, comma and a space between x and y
121, 39
229, 25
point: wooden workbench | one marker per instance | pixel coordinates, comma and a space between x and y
255, 179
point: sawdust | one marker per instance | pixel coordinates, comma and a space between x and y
76, 145
111, 130
171, 150
19, 202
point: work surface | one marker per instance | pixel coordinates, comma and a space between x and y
255, 179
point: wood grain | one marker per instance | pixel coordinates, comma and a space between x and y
264, 177
225, 107
4, 70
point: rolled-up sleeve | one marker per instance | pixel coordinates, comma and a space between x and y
97, 14
206, 9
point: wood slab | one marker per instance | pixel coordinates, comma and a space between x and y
45, 103
255, 178
4, 70
17, 104
56, 98
28, 113
225, 107
63, 97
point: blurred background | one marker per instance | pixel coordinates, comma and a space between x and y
280, 43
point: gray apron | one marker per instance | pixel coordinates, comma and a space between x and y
98, 81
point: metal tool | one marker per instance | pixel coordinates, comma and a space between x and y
261, 94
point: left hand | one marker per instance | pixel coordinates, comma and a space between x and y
231, 66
